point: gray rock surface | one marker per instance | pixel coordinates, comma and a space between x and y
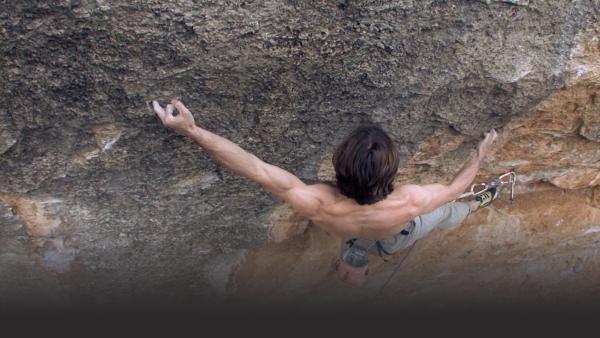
107, 204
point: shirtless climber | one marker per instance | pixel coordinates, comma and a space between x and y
365, 209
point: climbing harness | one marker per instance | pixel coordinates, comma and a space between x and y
496, 183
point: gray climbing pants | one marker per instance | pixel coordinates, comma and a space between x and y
445, 217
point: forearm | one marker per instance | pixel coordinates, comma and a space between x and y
227, 153
466, 175
430, 196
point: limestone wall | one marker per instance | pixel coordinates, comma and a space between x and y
100, 204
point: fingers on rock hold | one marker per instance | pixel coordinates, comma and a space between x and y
181, 107
171, 110
158, 110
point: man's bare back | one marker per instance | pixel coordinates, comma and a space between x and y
344, 217
322, 203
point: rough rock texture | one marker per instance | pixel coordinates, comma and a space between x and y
540, 250
101, 204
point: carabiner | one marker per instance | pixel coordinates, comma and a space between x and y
511, 180
485, 188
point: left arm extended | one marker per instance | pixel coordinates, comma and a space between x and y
428, 197
274, 179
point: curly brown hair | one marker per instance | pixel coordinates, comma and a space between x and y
365, 165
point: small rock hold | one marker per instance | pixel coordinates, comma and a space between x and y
6, 141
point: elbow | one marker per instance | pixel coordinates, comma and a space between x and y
259, 172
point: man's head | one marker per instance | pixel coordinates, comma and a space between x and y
365, 165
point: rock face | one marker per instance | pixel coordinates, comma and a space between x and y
539, 250
100, 204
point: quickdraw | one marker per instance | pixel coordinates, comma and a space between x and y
509, 178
